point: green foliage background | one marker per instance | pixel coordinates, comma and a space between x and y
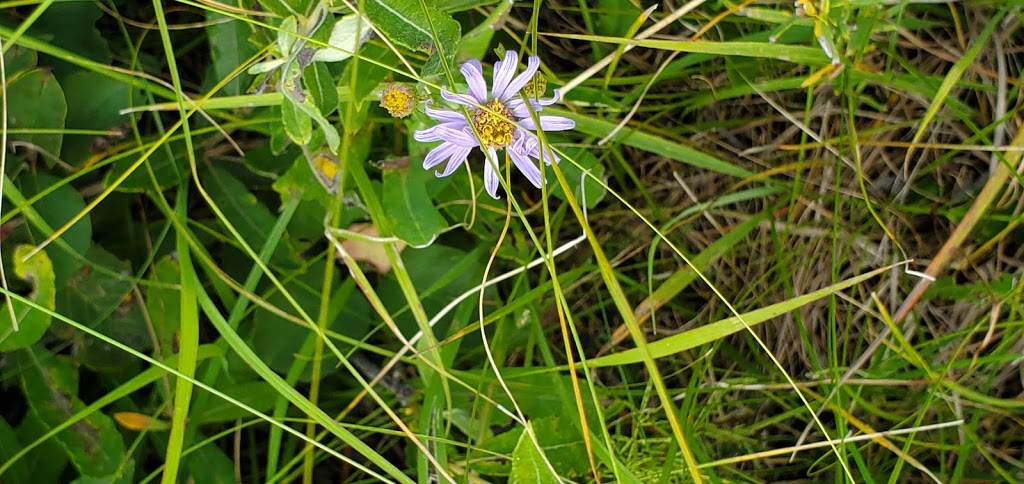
782, 245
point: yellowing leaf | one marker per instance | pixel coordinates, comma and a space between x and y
31, 324
139, 422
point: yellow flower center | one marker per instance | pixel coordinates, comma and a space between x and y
492, 124
399, 100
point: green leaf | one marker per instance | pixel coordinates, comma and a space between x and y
72, 26
122, 477
535, 392
18, 58
61, 203
719, 329
46, 459
299, 181
287, 391
278, 341
299, 111
91, 295
279, 138
412, 214
263, 160
371, 73
408, 23
475, 44
94, 102
257, 394
32, 324
163, 304
40, 450
35, 101
244, 211
592, 189
19, 472
93, 444
286, 38
321, 87
286, 8
528, 464
229, 49
297, 123
209, 464
440, 274
563, 445
561, 441
167, 163
614, 17
103, 300
347, 35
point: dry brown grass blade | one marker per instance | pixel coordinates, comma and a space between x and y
993, 187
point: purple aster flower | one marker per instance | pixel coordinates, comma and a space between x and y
499, 120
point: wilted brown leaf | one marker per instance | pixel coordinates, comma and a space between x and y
367, 251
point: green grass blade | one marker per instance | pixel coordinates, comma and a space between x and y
188, 346
238, 345
652, 143
952, 78
720, 329
799, 54
206, 303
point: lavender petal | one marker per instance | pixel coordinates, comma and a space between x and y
457, 159
474, 75
550, 157
443, 152
513, 88
530, 146
428, 135
463, 137
503, 73
526, 166
519, 109
460, 99
548, 123
491, 176
445, 115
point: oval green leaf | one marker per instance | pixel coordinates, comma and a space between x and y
93, 444
35, 101
528, 464
406, 203
418, 27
